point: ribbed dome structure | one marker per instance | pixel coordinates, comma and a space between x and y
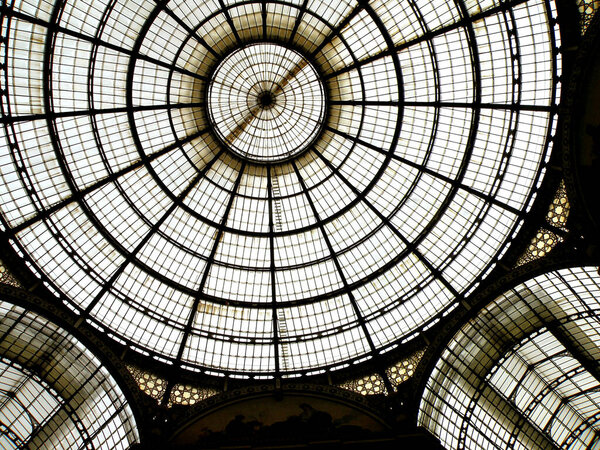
271, 188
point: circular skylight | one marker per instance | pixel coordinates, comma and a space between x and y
266, 102
302, 216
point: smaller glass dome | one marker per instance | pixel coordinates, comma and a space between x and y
266, 102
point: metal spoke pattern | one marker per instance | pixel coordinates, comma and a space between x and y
271, 188
266, 102
524, 372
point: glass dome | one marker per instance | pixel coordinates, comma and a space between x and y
273, 187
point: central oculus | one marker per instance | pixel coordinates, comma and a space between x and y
266, 102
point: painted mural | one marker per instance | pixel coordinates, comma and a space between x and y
269, 420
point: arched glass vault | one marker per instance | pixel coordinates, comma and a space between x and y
524, 373
54, 393
370, 173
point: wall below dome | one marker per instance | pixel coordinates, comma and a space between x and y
311, 416
583, 125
